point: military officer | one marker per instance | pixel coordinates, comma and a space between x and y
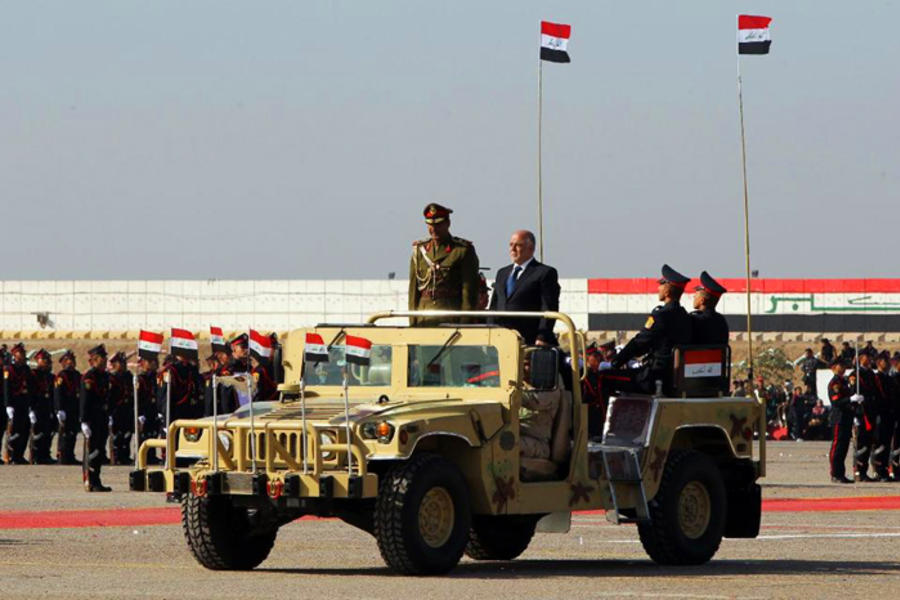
41, 413
667, 326
65, 401
93, 413
707, 325
18, 385
443, 270
240, 356
121, 406
149, 418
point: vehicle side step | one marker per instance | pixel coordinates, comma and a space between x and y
622, 466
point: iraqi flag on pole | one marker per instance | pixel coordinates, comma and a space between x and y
260, 345
359, 350
183, 343
149, 344
315, 350
217, 339
555, 41
753, 34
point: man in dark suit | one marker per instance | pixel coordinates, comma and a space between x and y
526, 285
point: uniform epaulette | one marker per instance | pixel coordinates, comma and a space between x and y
462, 241
418, 243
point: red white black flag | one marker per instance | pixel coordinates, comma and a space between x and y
315, 350
555, 41
260, 345
149, 344
359, 350
217, 339
183, 343
753, 34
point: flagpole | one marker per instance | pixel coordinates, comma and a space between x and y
540, 178
746, 220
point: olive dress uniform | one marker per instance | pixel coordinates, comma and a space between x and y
442, 275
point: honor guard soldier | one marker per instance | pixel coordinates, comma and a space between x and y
42, 414
866, 418
886, 397
841, 419
94, 417
187, 386
590, 392
264, 386
121, 406
667, 326
18, 386
443, 270
66, 393
707, 325
149, 418
240, 359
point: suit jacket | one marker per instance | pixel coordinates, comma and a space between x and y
537, 289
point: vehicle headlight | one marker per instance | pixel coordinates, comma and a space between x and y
381, 431
192, 434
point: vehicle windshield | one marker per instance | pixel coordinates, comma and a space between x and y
456, 366
332, 372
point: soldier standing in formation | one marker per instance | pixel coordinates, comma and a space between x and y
65, 400
866, 418
187, 385
94, 414
17, 389
443, 270
707, 325
121, 406
42, 414
887, 393
149, 419
841, 419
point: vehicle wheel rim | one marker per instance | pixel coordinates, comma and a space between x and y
436, 517
694, 508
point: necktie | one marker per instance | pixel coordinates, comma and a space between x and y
511, 282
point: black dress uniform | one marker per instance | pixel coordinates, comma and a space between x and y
709, 326
42, 406
94, 413
121, 406
264, 386
187, 390
667, 326
66, 394
18, 386
841, 420
895, 429
867, 421
884, 428
148, 410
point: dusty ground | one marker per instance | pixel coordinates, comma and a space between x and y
808, 554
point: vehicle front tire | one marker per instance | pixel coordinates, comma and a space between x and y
687, 515
500, 537
422, 516
222, 536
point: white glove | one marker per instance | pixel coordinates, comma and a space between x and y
10, 412
110, 422
160, 417
32, 417
61, 415
856, 398
605, 365
86, 430
142, 419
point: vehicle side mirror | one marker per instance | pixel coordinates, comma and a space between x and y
544, 368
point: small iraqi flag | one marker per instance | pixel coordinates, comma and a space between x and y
260, 345
359, 350
149, 344
555, 41
183, 343
315, 350
217, 339
753, 34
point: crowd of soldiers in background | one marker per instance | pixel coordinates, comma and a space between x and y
40, 405
864, 396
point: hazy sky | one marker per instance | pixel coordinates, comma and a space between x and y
302, 139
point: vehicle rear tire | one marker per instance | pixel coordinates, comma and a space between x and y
422, 516
687, 515
500, 537
221, 536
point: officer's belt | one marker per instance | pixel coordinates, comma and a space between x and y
439, 294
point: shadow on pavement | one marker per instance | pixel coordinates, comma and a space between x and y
520, 569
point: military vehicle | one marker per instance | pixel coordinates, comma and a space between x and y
425, 448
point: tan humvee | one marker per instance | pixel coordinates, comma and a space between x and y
462, 440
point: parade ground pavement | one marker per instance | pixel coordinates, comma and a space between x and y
818, 540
